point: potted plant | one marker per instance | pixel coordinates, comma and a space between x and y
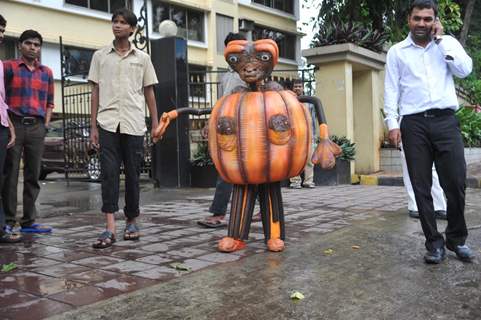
202, 172
341, 173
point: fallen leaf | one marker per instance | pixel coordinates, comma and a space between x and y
180, 267
9, 267
356, 247
296, 295
328, 251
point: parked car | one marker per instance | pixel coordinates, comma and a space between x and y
74, 153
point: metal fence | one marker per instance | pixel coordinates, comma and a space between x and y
204, 90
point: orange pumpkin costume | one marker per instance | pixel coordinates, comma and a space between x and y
257, 139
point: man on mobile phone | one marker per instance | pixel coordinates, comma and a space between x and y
419, 87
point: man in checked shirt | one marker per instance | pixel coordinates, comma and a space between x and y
29, 95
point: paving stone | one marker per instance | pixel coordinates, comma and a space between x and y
156, 247
187, 252
33, 310
98, 261
219, 257
128, 266
11, 296
131, 254
85, 295
158, 273
36, 284
60, 270
156, 259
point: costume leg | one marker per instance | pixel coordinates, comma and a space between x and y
272, 212
242, 207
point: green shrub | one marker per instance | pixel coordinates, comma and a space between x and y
201, 157
470, 123
348, 147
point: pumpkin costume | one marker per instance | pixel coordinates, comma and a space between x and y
257, 138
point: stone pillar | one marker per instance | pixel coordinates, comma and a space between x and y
171, 156
350, 86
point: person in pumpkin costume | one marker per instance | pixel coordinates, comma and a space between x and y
259, 136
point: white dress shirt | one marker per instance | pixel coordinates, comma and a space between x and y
418, 79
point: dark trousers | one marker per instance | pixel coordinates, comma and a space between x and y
434, 136
29, 143
117, 148
3, 154
223, 190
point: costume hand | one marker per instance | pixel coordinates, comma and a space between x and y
326, 151
395, 137
163, 124
94, 137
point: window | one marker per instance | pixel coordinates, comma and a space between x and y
282, 5
285, 41
197, 81
101, 5
77, 61
224, 25
190, 23
8, 49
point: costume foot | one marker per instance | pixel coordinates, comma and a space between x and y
275, 245
228, 244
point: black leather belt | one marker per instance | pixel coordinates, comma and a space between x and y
27, 120
433, 113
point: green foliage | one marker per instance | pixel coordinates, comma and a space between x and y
201, 157
385, 17
450, 16
338, 32
348, 147
470, 123
471, 85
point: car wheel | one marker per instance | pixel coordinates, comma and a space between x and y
93, 168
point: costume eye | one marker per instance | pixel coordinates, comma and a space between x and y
232, 59
264, 56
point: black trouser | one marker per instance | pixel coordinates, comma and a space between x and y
30, 135
117, 148
223, 190
430, 136
3, 154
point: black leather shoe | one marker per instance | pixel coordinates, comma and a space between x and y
440, 214
414, 214
435, 256
464, 253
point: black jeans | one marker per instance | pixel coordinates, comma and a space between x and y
29, 142
435, 136
3, 154
117, 148
223, 191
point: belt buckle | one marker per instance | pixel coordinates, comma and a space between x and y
28, 121
426, 114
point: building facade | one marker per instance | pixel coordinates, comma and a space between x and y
84, 26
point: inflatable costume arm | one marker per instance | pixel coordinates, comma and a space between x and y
326, 151
172, 115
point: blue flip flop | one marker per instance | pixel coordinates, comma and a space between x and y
36, 228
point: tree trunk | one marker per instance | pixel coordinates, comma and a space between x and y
466, 22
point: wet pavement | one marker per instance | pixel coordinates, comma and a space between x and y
351, 250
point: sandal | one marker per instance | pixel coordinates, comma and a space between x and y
10, 238
212, 222
131, 232
105, 240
